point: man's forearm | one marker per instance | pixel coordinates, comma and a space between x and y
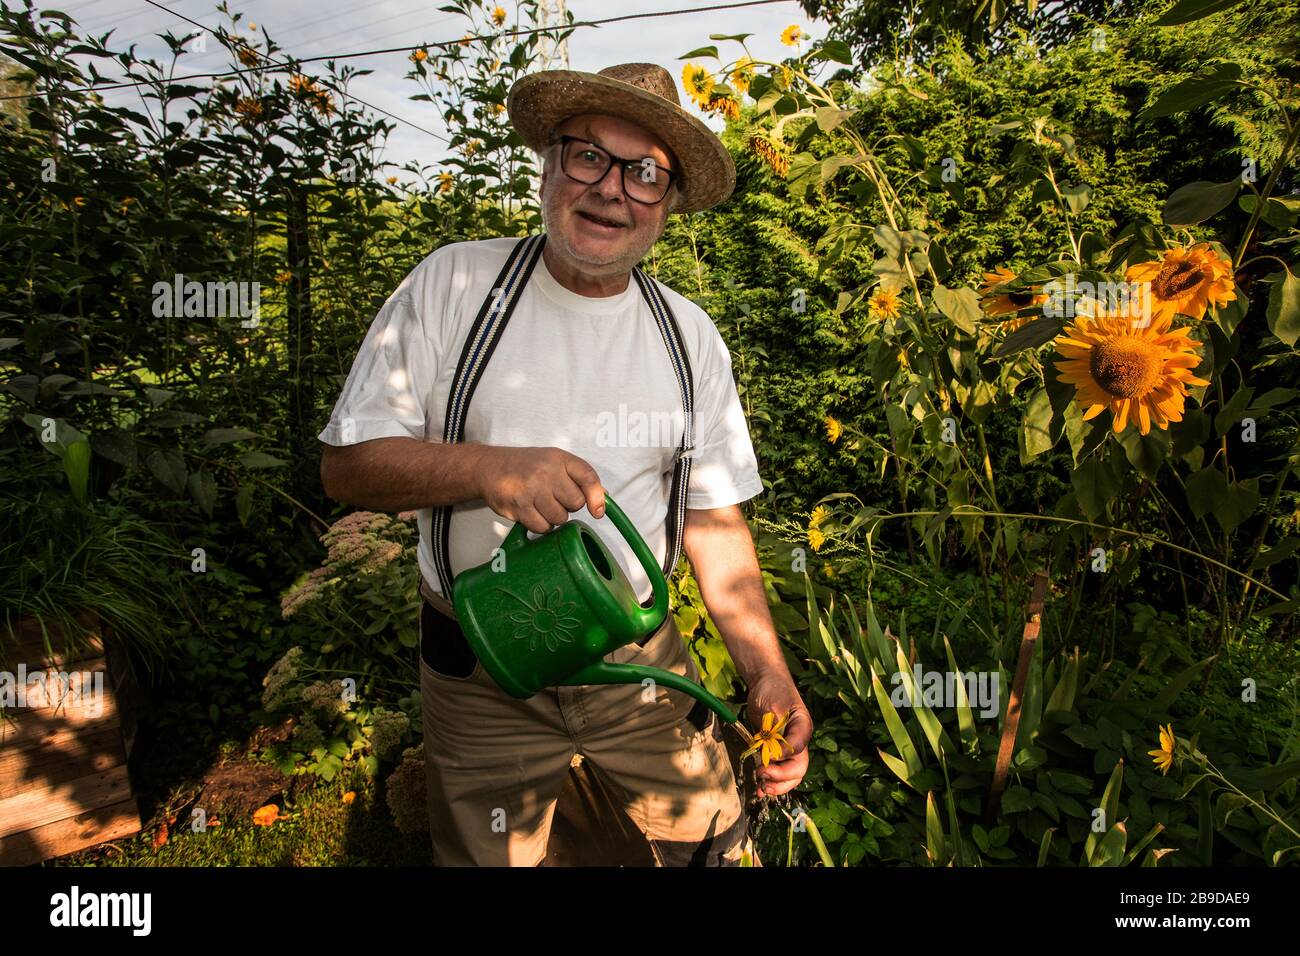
731, 584
402, 474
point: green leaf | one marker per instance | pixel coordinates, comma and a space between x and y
828, 117
168, 467
1029, 336
1147, 452
836, 50
1194, 92
1035, 434
1283, 313
117, 445
76, 465
962, 306
1198, 201
701, 51
217, 436
260, 459
1208, 492
1076, 196
244, 504
203, 489
1185, 11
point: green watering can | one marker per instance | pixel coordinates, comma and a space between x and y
561, 604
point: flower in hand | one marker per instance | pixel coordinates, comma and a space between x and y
768, 742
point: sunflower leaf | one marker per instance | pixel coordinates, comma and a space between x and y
1283, 313
1185, 11
1198, 201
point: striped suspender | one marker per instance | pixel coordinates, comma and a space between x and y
479, 345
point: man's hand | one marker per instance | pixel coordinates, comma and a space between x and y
539, 486
775, 692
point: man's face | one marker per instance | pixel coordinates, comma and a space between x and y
598, 249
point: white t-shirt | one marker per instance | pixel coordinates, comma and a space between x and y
588, 375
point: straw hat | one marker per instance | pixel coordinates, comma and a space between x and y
643, 93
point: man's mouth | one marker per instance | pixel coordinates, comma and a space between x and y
601, 220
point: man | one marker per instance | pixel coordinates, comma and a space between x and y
560, 402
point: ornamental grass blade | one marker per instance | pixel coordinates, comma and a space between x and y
897, 732
935, 846
1109, 809
940, 742
965, 719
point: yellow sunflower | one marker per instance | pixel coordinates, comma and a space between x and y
498, 16
444, 182
1139, 372
1186, 281
419, 55
995, 302
698, 83
724, 104
775, 159
792, 34
816, 538
884, 304
833, 429
819, 514
768, 742
742, 74
1164, 757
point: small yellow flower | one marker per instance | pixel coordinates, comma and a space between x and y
248, 108
392, 180
698, 83
444, 182
768, 742
498, 16
248, 56
816, 538
78, 201
792, 34
819, 514
465, 40
349, 796
1164, 757
828, 570
884, 304
252, 26
283, 276
127, 203
742, 74
498, 108
419, 55
833, 429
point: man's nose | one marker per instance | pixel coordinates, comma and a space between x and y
611, 187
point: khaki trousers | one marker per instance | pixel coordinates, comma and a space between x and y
496, 765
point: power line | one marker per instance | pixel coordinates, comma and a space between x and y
422, 46
324, 83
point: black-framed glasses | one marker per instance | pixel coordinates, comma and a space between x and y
585, 162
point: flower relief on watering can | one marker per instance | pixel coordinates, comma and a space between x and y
547, 617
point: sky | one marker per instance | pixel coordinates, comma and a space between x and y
319, 27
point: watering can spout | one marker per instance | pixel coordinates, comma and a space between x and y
606, 673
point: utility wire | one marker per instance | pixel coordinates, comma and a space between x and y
445, 43
324, 83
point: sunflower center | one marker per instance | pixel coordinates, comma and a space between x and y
1125, 366
1177, 277
1021, 299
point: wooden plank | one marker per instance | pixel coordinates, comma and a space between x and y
33, 728
77, 755
34, 808
71, 834
26, 645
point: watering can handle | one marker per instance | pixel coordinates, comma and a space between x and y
650, 617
